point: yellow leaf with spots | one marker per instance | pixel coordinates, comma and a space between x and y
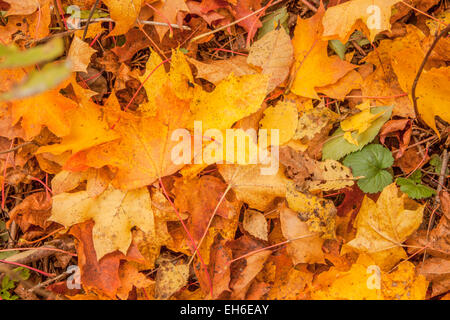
319, 214
114, 212
170, 278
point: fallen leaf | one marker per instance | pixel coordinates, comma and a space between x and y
170, 278
341, 20
255, 224
273, 53
114, 212
80, 55
124, 13
319, 214
310, 53
384, 225
306, 249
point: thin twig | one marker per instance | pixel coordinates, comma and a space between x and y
151, 23
17, 147
425, 59
89, 19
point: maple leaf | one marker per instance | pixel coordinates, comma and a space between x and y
131, 277
48, 109
23, 7
170, 278
114, 212
363, 282
124, 13
384, 225
340, 21
233, 99
310, 53
431, 92
244, 270
88, 127
313, 175
143, 152
203, 203
99, 275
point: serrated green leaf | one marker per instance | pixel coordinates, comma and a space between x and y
338, 47
12, 57
337, 147
436, 163
416, 176
370, 162
273, 19
414, 190
47, 78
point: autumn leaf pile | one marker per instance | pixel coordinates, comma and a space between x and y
358, 209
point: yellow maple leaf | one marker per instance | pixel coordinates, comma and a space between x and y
114, 212
384, 225
88, 127
365, 281
49, 109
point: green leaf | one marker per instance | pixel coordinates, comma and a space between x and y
436, 163
4, 236
338, 47
7, 254
337, 147
22, 272
272, 20
370, 162
414, 190
47, 78
12, 57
